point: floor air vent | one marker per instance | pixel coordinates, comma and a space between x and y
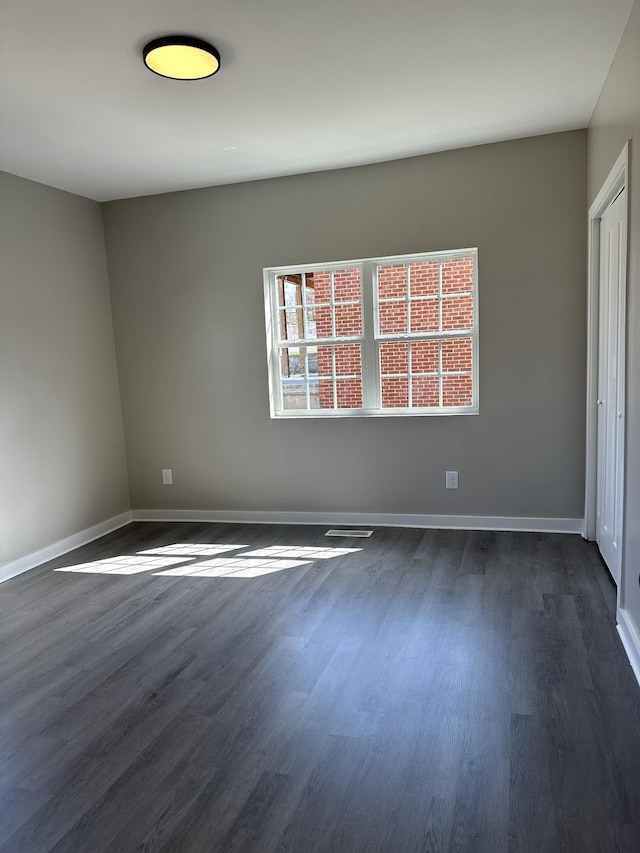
360, 534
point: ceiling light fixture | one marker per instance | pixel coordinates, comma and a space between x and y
181, 58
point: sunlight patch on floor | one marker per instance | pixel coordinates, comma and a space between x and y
186, 560
130, 565
299, 551
235, 567
186, 549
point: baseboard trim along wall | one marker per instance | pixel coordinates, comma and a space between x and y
347, 519
355, 519
63, 546
630, 641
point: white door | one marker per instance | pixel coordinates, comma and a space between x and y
610, 469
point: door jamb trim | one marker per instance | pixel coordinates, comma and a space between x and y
617, 180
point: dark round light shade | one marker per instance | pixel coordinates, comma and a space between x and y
181, 58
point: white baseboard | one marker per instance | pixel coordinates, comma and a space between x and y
30, 561
630, 641
348, 519
353, 519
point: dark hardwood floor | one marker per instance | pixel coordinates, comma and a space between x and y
427, 691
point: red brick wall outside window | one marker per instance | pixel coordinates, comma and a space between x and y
424, 317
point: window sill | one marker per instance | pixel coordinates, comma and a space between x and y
375, 413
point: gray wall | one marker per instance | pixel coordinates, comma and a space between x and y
186, 281
63, 462
616, 120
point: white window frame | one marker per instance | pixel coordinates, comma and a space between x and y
370, 339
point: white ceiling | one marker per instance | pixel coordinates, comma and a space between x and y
304, 85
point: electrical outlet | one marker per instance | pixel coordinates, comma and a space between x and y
167, 477
451, 479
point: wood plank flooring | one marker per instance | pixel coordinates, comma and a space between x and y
436, 691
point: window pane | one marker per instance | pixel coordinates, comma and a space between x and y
346, 361
457, 391
425, 315
457, 313
346, 285
325, 361
324, 328
310, 323
394, 358
325, 394
425, 391
349, 360
424, 356
293, 379
349, 393
312, 362
291, 362
320, 280
395, 392
392, 317
290, 323
348, 320
457, 355
424, 278
347, 317
288, 288
326, 380
392, 281
294, 394
457, 275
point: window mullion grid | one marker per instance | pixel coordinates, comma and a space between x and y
371, 340
276, 352
306, 377
333, 335
474, 338
333, 305
303, 299
370, 351
307, 391
408, 298
333, 377
440, 296
440, 394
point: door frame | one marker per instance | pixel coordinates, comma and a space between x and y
617, 181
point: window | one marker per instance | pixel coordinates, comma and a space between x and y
382, 336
